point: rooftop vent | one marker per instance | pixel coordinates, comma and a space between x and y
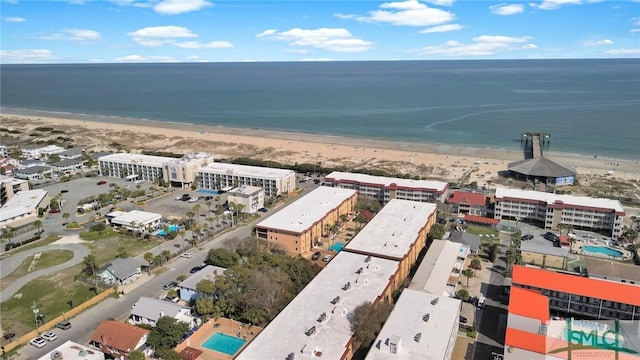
359, 271
291, 356
322, 317
335, 300
425, 317
434, 301
347, 286
56, 355
310, 331
367, 259
417, 337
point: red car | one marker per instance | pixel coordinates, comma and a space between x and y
101, 182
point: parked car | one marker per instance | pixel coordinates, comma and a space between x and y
113, 185
38, 342
64, 325
195, 269
49, 336
315, 256
326, 258
169, 285
263, 209
186, 255
463, 319
186, 197
168, 298
101, 182
137, 182
64, 191
193, 199
527, 237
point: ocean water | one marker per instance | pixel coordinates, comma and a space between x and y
590, 107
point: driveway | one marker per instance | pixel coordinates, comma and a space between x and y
11, 263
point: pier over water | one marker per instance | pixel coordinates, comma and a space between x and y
533, 142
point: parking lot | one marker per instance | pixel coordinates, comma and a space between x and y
170, 208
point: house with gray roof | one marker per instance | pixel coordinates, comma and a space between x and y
72, 154
187, 287
34, 173
465, 238
68, 164
148, 310
99, 154
121, 270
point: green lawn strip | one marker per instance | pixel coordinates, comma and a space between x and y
98, 235
479, 230
46, 241
47, 259
106, 249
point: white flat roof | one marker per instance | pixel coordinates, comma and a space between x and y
209, 272
137, 216
304, 212
386, 181
544, 249
14, 181
245, 190
246, 170
434, 270
138, 158
394, 229
73, 350
286, 333
551, 198
23, 202
406, 320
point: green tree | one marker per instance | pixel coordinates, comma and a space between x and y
367, 320
148, 257
153, 189
90, 264
206, 287
166, 334
158, 259
437, 231
122, 252
137, 355
468, 273
66, 216
493, 250
166, 255
476, 264
463, 295
38, 225
222, 257
204, 306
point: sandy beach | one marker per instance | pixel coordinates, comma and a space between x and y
433, 161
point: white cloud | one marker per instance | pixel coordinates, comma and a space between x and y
140, 58
441, 2
404, 13
599, 42
26, 56
15, 19
196, 58
80, 35
506, 9
624, 52
554, 4
442, 28
330, 39
160, 35
484, 45
199, 45
266, 33
172, 7
634, 31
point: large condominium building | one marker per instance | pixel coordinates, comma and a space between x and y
421, 326
298, 226
316, 323
10, 186
385, 189
581, 297
551, 210
219, 176
398, 232
177, 172
251, 198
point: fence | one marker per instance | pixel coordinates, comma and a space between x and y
52, 323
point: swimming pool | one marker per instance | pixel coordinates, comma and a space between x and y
336, 246
602, 250
161, 232
224, 343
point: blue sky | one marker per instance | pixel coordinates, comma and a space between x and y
86, 31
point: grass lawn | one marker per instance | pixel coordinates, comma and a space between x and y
47, 259
106, 249
42, 242
481, 230
50, 294
97, 235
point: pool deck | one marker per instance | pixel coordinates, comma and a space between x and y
221, 325
578, 244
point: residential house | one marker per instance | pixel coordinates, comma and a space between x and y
148, 310
34, 173
121, 270
31, 163
187, 287
72, 154
465, 238
69, 165
117, 339
471, 203
39, 152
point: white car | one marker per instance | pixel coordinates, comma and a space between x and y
50, 336
137, 182
193, 199
38, 342
186, 255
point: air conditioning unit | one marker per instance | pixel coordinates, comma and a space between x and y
56, 355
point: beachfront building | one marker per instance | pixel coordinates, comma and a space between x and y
9, 186
250, 198
40, 152
582, 297
398, 232
542, 170
421, 326
135, 220
550, 210
73, 350
188, 291
68, 165
34, 173
180, 172
31, 163
439, 271
300, 225
471, 203
22, 208
223, 176
72, 154
384, 189
4, 152
316, 323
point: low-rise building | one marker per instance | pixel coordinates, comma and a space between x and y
117, 339
4, 152
251, 198
73, 350
544, 255
31, 163
40, 152
316, 323
219, 176
188, 291
300, 225
22, 208
385, 189
72, 154
121, 271
472, 203
148, 310
550, 210
439, 271
421, 326
612, 270
69, 165
398, 232
9, 186
471, 240
135, 220
34, 173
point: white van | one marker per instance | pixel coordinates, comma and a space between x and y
481, 300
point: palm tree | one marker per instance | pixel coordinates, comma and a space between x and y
148, 257
153, 189
66, 216
196, 207
133, 228
210, 220
467, 273
166, 254
38, 225
190, 215
208, 203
